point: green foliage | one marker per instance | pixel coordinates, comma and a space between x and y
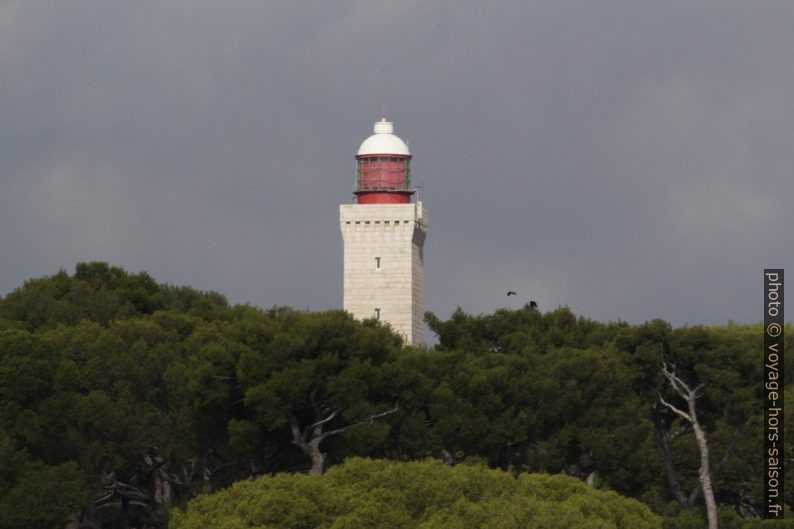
34, 495
526, 330
725, 361
787, 523
362, 493
115, 386
100, 293
728, 519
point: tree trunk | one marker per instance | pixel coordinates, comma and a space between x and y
310, 445
206, 480
705, 472
161, 480
309, 439
165, 487
690, 395
318, 460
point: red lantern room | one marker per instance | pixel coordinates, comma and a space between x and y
383, 168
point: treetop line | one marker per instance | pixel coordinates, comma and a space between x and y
122, 398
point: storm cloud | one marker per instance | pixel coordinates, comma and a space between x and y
631, 160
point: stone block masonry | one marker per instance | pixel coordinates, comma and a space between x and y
383, 264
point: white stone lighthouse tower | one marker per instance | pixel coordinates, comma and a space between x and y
383, 234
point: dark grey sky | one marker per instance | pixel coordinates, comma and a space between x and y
628, 159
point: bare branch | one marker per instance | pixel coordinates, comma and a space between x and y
672, 407
699, 388
323, 421
511, 444
690, 395
369, 419
312, 436
678, 384
685, 429
297, 438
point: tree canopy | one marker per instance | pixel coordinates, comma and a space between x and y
134, 397
362, 494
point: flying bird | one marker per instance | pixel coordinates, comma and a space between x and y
511, 293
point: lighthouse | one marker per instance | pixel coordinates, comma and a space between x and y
384, 235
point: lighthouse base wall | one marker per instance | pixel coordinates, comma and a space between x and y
384, 265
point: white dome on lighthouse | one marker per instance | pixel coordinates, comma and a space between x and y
383, 141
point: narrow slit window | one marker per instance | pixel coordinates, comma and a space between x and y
377, 314
377, 263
